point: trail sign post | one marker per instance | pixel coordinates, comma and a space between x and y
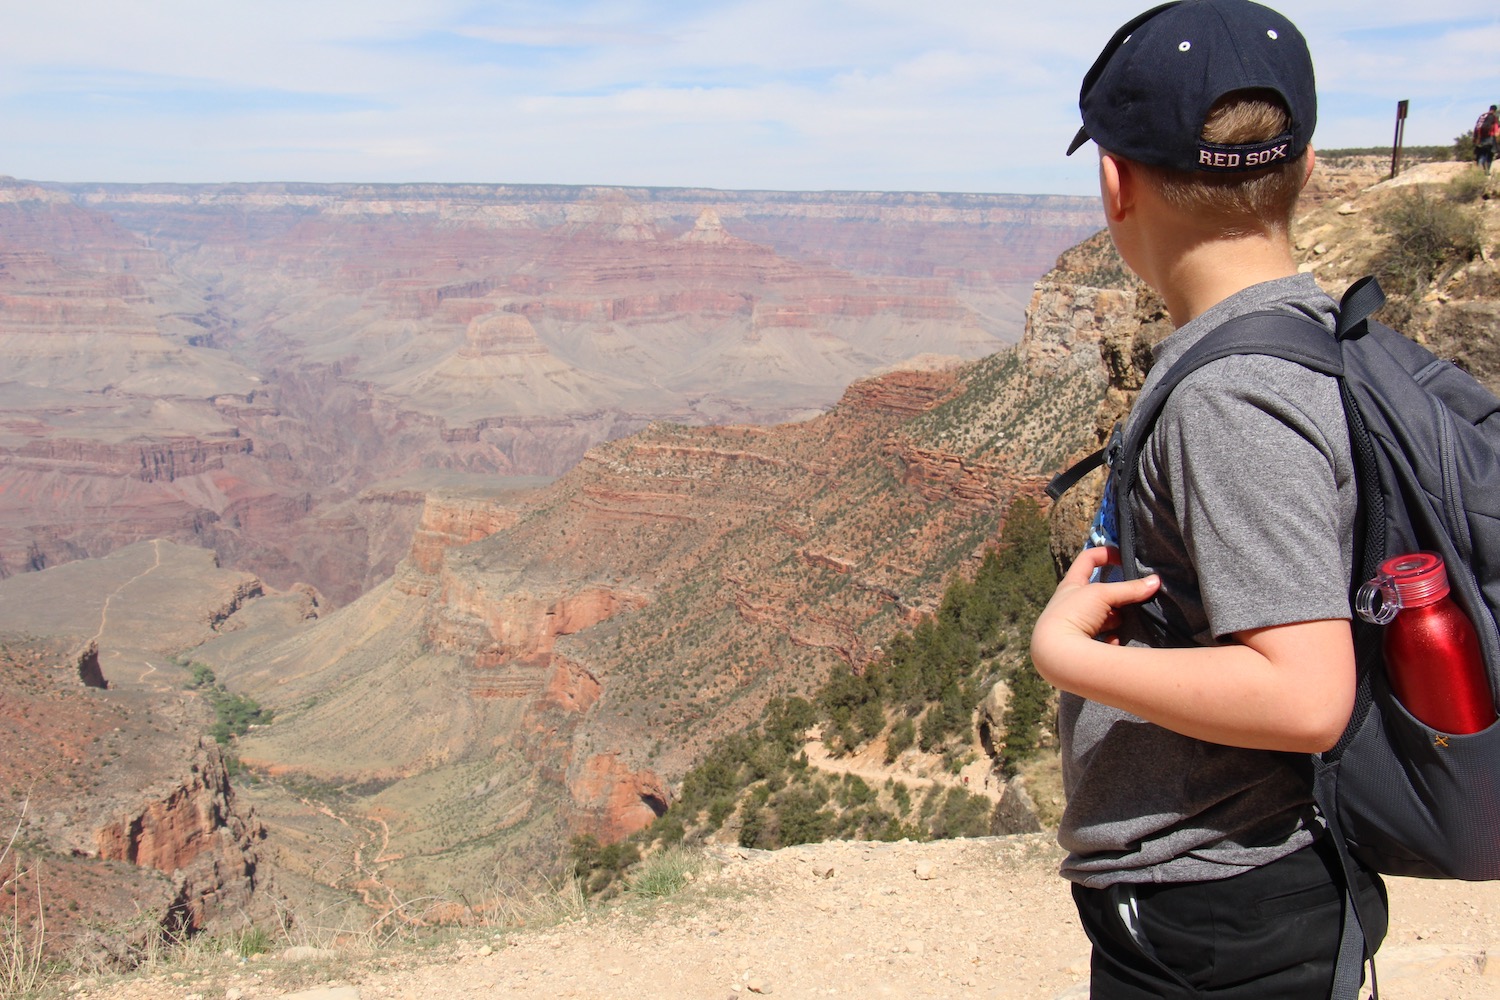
1400, 134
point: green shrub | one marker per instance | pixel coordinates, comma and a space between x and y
869, 719
901, 795
800, 818
1428, 235
930, 800
961, 814
234, 714
1030, 701
842, 737
1463, 147
668, 828
598, 866
251, 941
664, 873
719, 810
787, 719
854, 791
756, 828
934, 729
903, 735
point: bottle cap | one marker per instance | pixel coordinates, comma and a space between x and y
1420, 578
1413, 580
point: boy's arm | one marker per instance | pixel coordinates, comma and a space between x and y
1287, 687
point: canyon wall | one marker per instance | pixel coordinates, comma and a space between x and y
547, 667
547, 654
126, 814
252, 367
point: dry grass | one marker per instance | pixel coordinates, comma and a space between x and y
295, 951
665, 872
21, 939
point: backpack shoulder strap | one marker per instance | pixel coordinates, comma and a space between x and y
1069, 477
1359, 303
1275, 333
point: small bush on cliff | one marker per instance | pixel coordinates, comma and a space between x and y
1030, 701
250, 941
1463, 147
665, 872
599, 866
1429, 235
1468, 187
961, 814
903, 736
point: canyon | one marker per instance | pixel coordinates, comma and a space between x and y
266, 428
552, 648
280, 372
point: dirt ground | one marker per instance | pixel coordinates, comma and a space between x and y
987, 918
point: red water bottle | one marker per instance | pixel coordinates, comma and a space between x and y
1432, 654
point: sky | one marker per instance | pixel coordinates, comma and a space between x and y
889, 95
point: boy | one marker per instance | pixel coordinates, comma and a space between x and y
1194, 845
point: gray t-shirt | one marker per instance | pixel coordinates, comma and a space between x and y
1246, 509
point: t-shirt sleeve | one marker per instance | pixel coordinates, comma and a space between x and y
1245, 446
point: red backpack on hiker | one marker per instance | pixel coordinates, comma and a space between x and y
1487, 127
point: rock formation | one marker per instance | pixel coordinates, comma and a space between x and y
124, 807
547, 668
249, 368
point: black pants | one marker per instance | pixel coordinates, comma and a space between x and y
1272, 932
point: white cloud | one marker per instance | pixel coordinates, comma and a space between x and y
950, 94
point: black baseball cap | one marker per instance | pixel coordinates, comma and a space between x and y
1151, 89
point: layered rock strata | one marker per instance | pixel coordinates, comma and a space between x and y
238, 366
558, 665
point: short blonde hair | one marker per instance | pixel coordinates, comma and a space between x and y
1239, 202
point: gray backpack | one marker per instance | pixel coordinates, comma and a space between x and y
1401, 798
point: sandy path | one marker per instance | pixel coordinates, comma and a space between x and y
987, 919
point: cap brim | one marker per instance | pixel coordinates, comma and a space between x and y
1079, 139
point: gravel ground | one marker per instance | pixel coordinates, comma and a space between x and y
988, 919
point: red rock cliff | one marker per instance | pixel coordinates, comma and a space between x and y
193, 831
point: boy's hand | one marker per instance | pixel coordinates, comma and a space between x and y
1080, 611
1282, 687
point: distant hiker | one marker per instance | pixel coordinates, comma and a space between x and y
1193, 696
1486, 138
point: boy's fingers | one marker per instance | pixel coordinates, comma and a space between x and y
1131, 591
1089, 560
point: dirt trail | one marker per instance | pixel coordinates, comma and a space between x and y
104, 612
987, 919
869, 764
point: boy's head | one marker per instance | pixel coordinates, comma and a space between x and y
1215, 98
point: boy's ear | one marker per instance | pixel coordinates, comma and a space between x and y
1117, 184
1308, 169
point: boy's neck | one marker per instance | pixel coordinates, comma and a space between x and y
1202, 274
1194, 263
